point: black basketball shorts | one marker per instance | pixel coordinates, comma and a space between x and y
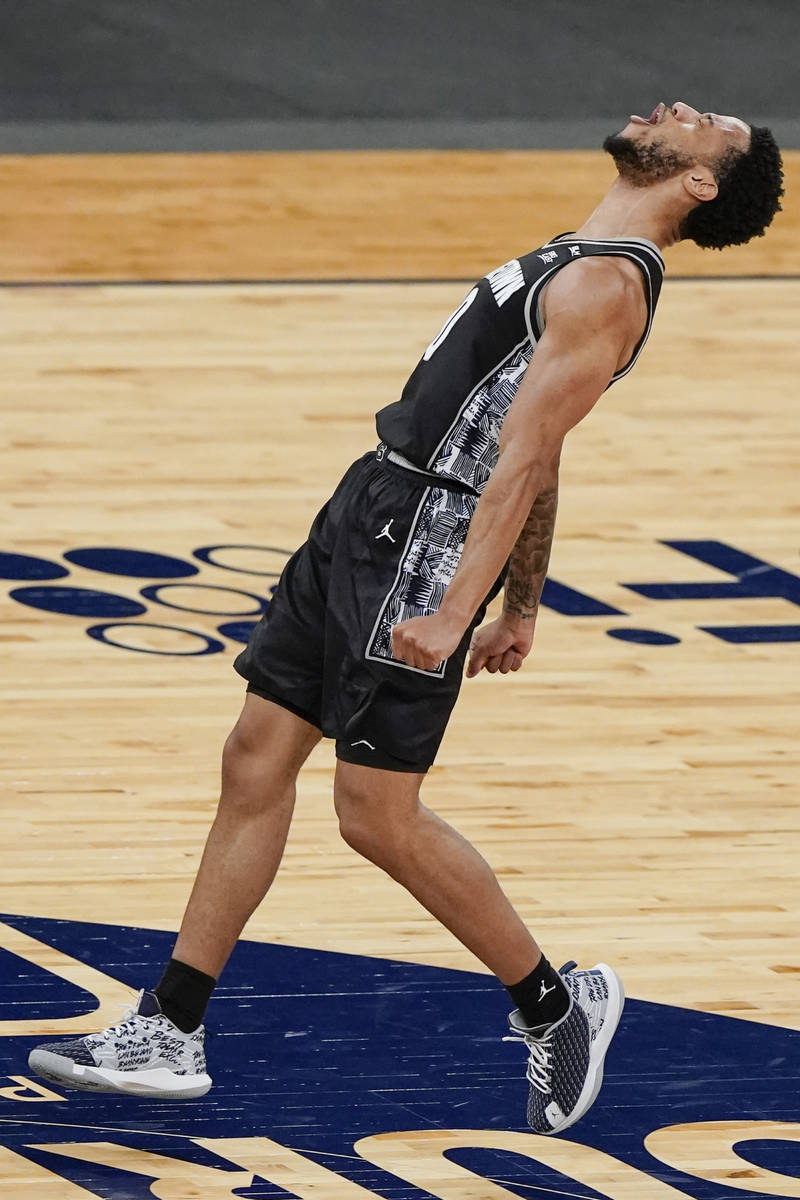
382, 550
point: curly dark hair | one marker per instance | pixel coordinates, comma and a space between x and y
750, 186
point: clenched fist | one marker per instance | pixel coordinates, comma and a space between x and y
502, 645
424, 642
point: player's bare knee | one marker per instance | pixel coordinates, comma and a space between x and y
369, 824
357, 823
250, 773
359, 835
239, 751
368, 838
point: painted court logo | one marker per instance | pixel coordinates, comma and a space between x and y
153, 619
178, 612
337, 1075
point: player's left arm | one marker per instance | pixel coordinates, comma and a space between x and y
504, 643
594, 319
527, 566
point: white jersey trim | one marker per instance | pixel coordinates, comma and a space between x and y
535, 331
645, 243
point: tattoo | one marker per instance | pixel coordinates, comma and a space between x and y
518, 612
527, 566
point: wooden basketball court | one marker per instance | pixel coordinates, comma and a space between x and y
193, 351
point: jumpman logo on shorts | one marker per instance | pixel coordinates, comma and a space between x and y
385, 531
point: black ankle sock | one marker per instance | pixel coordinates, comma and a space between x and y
541, 997
183, 993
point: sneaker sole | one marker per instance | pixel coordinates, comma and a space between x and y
599, 1048
157, 1082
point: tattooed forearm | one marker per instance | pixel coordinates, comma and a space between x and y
527, 566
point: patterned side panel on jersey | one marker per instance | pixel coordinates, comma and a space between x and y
469, 452
428, 563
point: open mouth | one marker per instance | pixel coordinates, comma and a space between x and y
654, 118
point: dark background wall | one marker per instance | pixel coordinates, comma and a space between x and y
262, 74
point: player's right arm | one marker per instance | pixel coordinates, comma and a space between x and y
595, 315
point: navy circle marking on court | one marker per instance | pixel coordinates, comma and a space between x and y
749, 577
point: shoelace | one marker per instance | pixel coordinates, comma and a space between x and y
128, 1021
538, 1072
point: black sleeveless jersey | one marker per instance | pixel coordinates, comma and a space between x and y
449, 417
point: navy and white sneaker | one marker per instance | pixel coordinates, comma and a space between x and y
565, 1067
145, 1055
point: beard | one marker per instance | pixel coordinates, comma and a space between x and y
643, 163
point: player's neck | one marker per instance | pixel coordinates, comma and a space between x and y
626, 211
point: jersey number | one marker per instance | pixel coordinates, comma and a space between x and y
448, 325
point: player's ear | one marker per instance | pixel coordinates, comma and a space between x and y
700, 183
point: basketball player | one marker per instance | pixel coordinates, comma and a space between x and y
366, 638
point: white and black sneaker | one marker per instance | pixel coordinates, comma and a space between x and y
565, 1067
145, 1055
